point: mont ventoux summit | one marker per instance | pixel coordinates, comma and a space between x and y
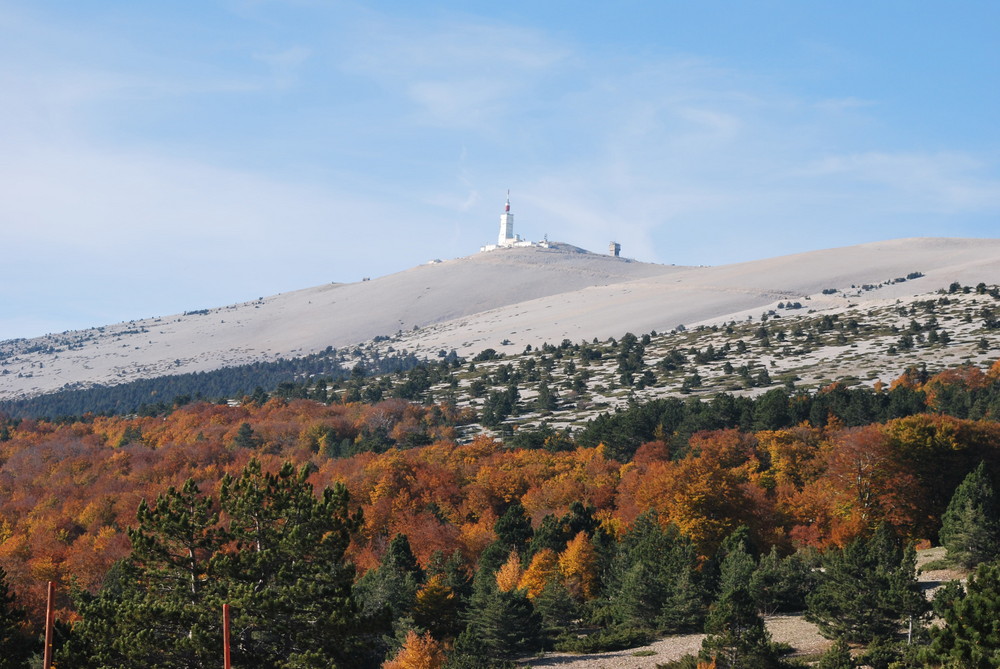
512, 294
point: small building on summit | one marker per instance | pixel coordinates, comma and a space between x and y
507, 238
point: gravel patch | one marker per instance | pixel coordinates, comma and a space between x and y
794, 630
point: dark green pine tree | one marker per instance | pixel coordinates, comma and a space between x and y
513, 529
653, 581
970, 527
400, 556
866, 590
838, 656
684, 610
638, 595
160, 607
945, 596
780, 585
546, 399
580, 518
245, 437
16, 645
501, 624
557, 608
736, 633
634, 592
387, 595
550, 534
554, 533
970, 637
287, 581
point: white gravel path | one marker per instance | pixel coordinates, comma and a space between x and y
791, 629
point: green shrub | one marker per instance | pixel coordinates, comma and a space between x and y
614, 638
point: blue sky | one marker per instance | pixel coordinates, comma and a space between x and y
162, 157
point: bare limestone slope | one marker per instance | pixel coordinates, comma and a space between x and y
510, 296
696, 295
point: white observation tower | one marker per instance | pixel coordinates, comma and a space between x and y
507, 237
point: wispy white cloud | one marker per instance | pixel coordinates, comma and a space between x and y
946, 182
458, 72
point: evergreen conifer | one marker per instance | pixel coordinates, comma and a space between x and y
838, 656
736, 633
16, 644
971, 634
277, 559
970, 527
866, 590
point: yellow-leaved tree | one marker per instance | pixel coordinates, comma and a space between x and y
544, 569
509, 575
418, 652
578, 564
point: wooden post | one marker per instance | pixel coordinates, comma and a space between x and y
226, 662
49, 623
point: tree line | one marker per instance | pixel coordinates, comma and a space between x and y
286, 376
276, 551
460, 551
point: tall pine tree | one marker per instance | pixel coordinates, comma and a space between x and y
866, 590
288, 581
500, 624
970, 527
159, 607
277, 557
971, 634
737, 637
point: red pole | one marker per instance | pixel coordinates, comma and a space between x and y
49, 622
226, 662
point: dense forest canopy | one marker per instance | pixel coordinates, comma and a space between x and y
542, 510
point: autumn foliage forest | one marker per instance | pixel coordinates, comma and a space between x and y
70, 490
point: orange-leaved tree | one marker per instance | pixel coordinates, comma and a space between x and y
578, 565
544, 569
418, 652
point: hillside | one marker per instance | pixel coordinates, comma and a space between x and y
512, 298
629, 473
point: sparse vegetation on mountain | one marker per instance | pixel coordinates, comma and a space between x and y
163, 393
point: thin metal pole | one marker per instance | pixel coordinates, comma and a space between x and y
226, 662
49, 623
